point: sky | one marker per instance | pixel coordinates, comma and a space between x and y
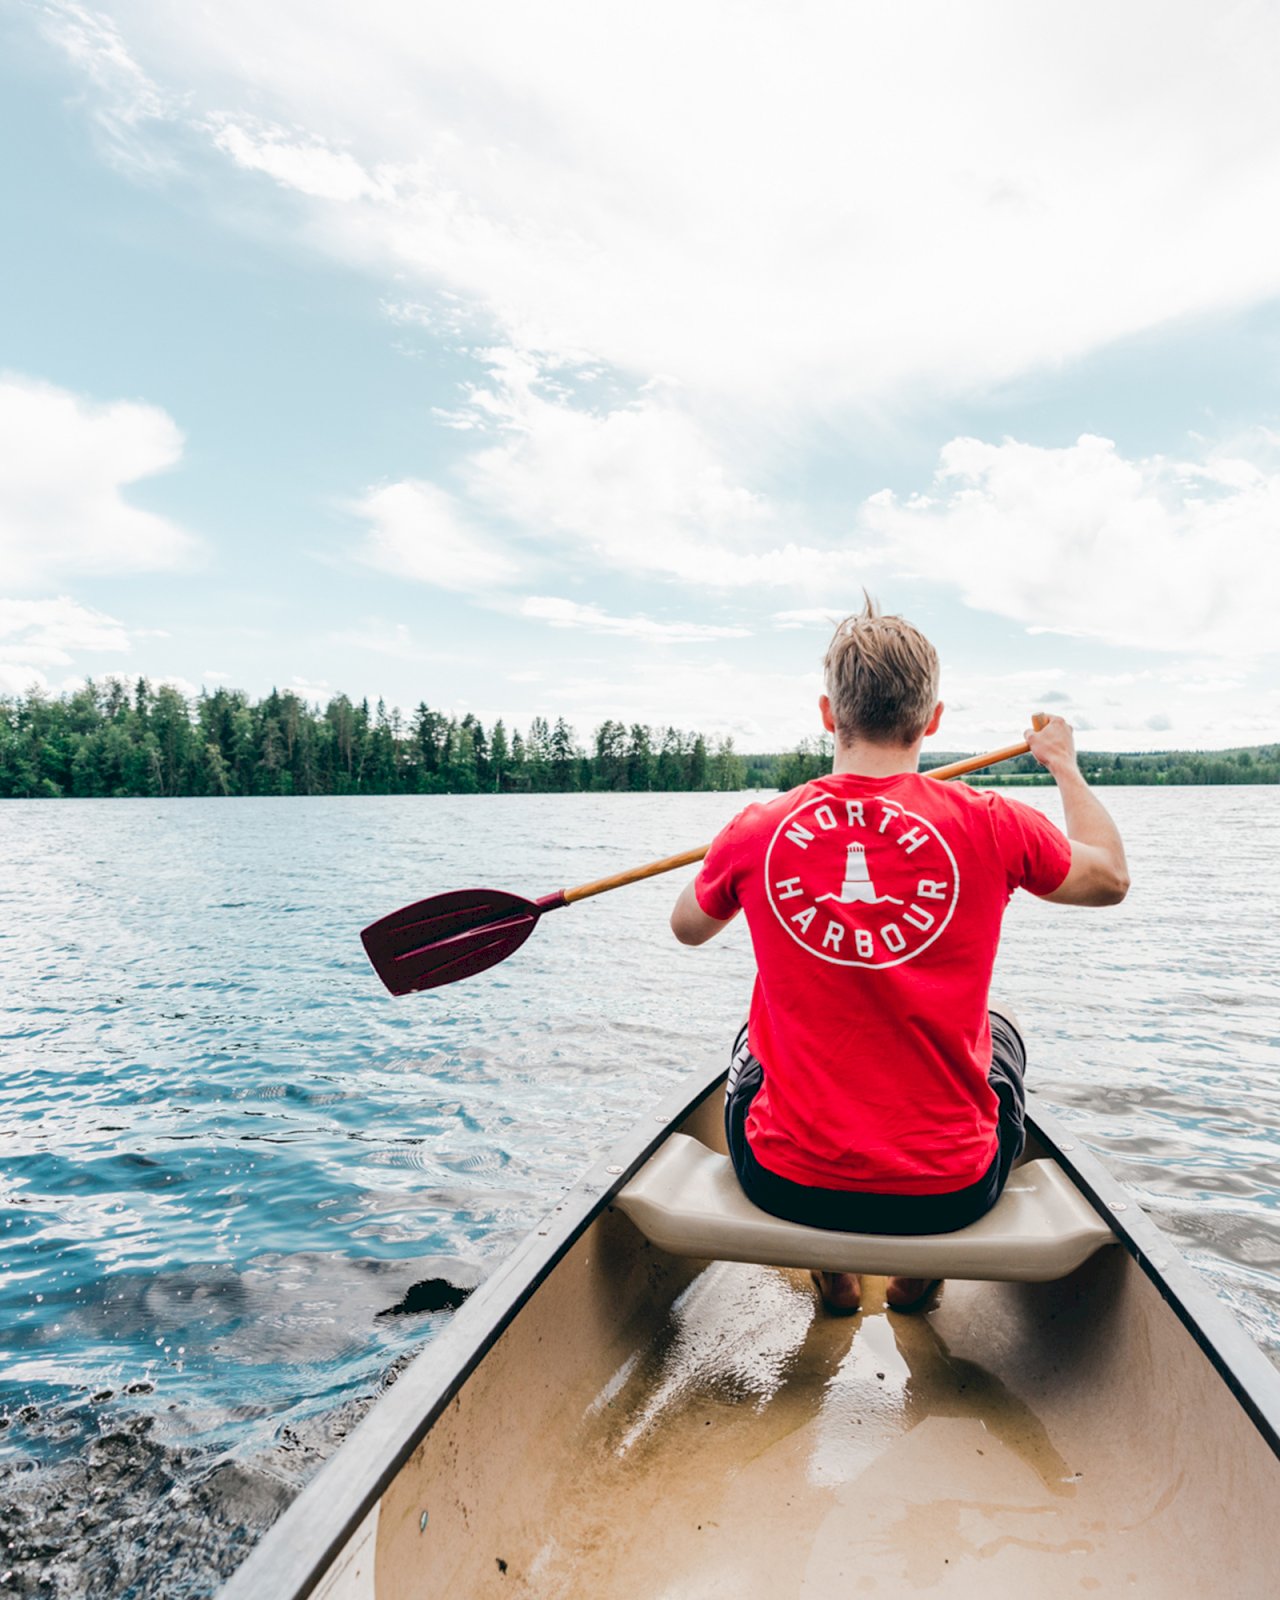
590, 360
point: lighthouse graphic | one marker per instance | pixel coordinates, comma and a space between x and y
857, 885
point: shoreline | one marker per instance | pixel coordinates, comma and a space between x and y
975, 780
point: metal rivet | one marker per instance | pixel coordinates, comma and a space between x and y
422, 1523
614, 1170
1118, 1205
1159, 1263
660, 1116
1065, 1146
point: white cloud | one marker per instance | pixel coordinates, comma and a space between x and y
760, 709
420, 531
393, 639
65, 464
319, 690
984, 710
184, 686
16, 678
1174, 703
308, 165
1156, 554
384, 639
638, 486
48, 631
572, 614
832, 210
36, 635
128, 103
809, 617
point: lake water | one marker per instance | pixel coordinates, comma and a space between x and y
227, 1154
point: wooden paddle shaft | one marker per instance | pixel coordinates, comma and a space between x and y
686, 858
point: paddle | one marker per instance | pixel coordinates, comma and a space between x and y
454, 935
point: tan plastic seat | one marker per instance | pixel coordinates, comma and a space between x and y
686, 1200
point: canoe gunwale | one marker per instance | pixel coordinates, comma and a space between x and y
333, 1505
1247, 1372
294, 1556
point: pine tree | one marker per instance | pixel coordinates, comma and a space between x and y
610, 771
518, 773
640, 758
728, 771
537, 754
563, 754
697, 778
499, 756
671, 760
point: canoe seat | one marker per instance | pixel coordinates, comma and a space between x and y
686, 1200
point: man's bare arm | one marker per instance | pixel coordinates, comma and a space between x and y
1099, 874
690, 923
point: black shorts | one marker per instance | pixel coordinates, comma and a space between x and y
855, 1211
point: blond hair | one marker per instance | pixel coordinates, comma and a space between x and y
882, 678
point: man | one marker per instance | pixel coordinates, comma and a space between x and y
871, 1090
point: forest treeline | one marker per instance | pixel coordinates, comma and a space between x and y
1258, 764
113, 739
1255, 764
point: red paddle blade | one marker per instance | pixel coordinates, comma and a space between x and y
450, 936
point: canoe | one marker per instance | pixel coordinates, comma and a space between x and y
641, 1401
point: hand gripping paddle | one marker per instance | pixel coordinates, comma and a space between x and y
455, 935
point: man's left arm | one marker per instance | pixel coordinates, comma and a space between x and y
690, 923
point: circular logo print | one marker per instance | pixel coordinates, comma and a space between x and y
860, 883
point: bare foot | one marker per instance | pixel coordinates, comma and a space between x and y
911, 1294
841, 1291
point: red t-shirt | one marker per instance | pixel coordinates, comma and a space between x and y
874, 906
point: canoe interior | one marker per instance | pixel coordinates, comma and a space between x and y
655, 1427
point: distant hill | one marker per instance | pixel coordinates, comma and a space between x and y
1247, 764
